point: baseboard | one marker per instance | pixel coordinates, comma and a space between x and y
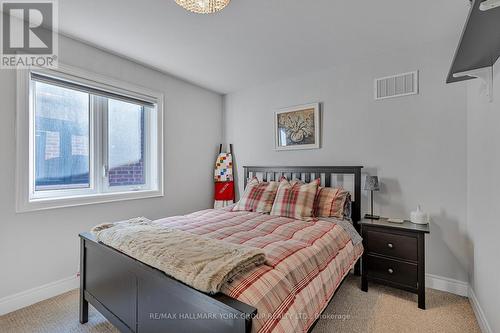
446, 284
35, 295
38, 294
478, 311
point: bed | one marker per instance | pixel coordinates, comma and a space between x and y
306, 263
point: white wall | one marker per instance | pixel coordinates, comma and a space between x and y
415, 144
41, 247
483, 144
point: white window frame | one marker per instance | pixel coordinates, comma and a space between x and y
99, 191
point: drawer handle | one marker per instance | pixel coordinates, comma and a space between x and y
390, 270
390, 245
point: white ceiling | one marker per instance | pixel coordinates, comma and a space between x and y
255, 41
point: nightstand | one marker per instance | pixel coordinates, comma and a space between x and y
394, 255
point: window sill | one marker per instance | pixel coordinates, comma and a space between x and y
81, 200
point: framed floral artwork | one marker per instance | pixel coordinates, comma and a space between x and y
297, 127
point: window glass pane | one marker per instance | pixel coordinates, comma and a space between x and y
61, 138
125, 143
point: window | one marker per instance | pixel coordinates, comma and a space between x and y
62, 137
125, 144
86, 139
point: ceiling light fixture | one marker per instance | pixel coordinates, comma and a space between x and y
203, 6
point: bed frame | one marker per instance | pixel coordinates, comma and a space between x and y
138, 298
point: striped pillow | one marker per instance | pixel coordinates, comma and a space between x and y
331, 202
295, 200
258, 197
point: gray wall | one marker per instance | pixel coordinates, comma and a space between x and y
41, 247
483, 136
415, 144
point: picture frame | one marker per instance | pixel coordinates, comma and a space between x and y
297, 127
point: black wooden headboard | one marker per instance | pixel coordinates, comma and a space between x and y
308, 173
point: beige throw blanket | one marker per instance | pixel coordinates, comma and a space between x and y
200, 262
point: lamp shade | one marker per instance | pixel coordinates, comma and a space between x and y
371, 183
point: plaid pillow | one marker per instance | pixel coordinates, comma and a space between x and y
332, 202
258, 197
295, 200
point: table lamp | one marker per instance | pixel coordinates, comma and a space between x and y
371, 184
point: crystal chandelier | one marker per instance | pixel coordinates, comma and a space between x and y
203, 6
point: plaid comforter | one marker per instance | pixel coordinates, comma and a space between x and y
306, 261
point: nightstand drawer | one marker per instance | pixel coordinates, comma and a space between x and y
392, 245
392, 270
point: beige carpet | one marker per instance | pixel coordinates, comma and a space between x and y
382, 310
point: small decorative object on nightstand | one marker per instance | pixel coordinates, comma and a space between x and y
394, 255
371, 184
419, 217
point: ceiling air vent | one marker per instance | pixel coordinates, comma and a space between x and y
396, 85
